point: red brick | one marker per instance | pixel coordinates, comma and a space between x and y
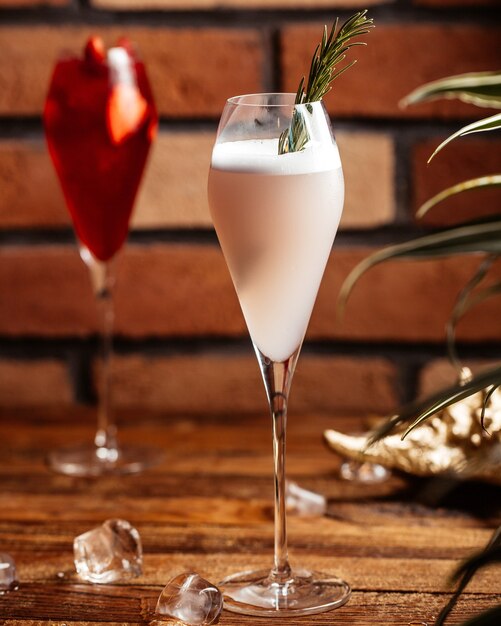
439, 374
37, 383
397, 59
191, 71
172, 5
435, 375
369, 174
185, 290
462, 160
48, 292
230, 383
174, 190
29, 192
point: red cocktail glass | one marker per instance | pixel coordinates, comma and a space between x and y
100, 120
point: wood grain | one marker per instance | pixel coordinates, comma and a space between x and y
208, 508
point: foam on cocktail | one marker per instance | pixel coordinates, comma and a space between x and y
262, 156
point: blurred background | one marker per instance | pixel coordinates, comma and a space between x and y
181, 344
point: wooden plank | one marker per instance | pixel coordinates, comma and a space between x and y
136, 604
363, 573
208, 508
249, 514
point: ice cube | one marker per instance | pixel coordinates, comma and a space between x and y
191, 599
302, 502
7, 572
365, 472
109, 552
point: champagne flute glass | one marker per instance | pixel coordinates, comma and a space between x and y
100, 120
276, 216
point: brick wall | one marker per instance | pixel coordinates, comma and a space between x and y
181, 344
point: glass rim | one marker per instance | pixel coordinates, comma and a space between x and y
239, 100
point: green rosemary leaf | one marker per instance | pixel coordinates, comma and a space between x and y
300, 89
297, 134
342, 70
329, 53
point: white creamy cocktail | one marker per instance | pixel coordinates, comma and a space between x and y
276, 217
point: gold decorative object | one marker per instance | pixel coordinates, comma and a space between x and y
452, 442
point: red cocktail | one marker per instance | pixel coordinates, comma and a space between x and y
100, 121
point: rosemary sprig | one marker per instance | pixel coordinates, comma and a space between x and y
329, 53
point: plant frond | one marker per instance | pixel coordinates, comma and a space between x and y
490, 554
473, 238
488, 396
461, 306
491, 617
483, 294
480, 126
417, 412
480, 88
493, 180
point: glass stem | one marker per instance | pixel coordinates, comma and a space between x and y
103, 279
277, 377
106, 435
278, 405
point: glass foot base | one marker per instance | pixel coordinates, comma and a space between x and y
305, 593
87, 460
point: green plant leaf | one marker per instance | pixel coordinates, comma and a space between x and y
481, 295
473, 238
465, 572
483, 125
461, 306
494, 180
485, 403
464, 390
489, 555
479, 88
417, 412
469, 300
491, 617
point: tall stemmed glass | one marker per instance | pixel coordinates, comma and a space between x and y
276, 216
100, 120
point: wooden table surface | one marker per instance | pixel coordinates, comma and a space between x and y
208, 508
